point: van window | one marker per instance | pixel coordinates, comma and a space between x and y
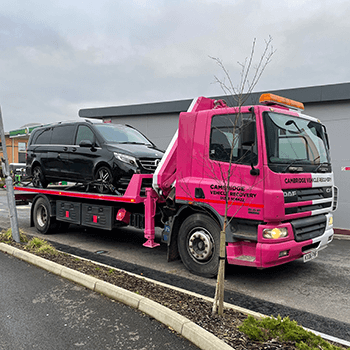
84, 133
42, 137
62, 135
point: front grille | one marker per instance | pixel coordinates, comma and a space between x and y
308, 228
335, 202
322, 194
123, 184
149, 164
309, 247
303, 209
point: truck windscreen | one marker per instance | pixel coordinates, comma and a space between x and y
295, 144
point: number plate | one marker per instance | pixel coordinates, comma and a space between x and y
310, 256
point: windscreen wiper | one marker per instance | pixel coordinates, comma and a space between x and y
133, 143
293, 163
326, 166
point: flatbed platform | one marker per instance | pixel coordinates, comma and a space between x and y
135, 192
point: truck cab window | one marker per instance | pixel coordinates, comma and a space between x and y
226, 139
294, 143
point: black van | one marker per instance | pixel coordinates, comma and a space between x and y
90, 153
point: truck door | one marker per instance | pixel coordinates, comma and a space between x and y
233, 165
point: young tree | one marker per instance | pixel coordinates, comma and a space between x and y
237, 95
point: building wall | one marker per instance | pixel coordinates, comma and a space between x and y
12, 145
336, 117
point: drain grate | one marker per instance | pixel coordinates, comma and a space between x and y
101, 252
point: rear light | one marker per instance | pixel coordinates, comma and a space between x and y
123, 216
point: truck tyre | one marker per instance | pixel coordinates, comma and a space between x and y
43, 222
39, 178
199, 245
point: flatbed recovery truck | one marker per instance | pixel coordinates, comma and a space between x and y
267, 166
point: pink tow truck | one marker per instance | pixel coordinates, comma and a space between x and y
268, 165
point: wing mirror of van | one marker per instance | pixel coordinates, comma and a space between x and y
86, 143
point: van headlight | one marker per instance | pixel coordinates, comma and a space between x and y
275, 233
125, 158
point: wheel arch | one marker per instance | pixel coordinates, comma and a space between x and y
34, 164
101, 164
184, 212
52, 207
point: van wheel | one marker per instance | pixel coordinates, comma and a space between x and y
199, 245
39, 178
103, 179
43, 222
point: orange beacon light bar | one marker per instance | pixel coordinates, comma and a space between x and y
268, 99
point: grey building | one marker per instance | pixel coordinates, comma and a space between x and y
329, 103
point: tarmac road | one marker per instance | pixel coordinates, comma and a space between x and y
39, 310
317, 290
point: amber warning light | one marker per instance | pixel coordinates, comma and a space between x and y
269, 99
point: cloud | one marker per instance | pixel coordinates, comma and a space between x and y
58, 57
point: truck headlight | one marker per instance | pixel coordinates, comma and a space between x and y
125, 158
275, 233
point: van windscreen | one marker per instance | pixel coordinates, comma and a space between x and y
121, 134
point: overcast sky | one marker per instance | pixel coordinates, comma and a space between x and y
57, 57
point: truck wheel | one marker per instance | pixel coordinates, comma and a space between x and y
39, 178
43, 222
103, 178
199, 245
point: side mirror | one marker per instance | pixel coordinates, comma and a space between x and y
86, 143
326, 135
248, 132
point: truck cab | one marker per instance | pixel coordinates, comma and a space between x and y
264, 170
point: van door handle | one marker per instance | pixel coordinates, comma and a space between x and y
65, 148
74, 149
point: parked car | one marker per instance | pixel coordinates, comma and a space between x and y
91, 153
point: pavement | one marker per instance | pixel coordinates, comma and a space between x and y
40, 310
197, 336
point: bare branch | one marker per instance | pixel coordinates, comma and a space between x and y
247, 82
250, 75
